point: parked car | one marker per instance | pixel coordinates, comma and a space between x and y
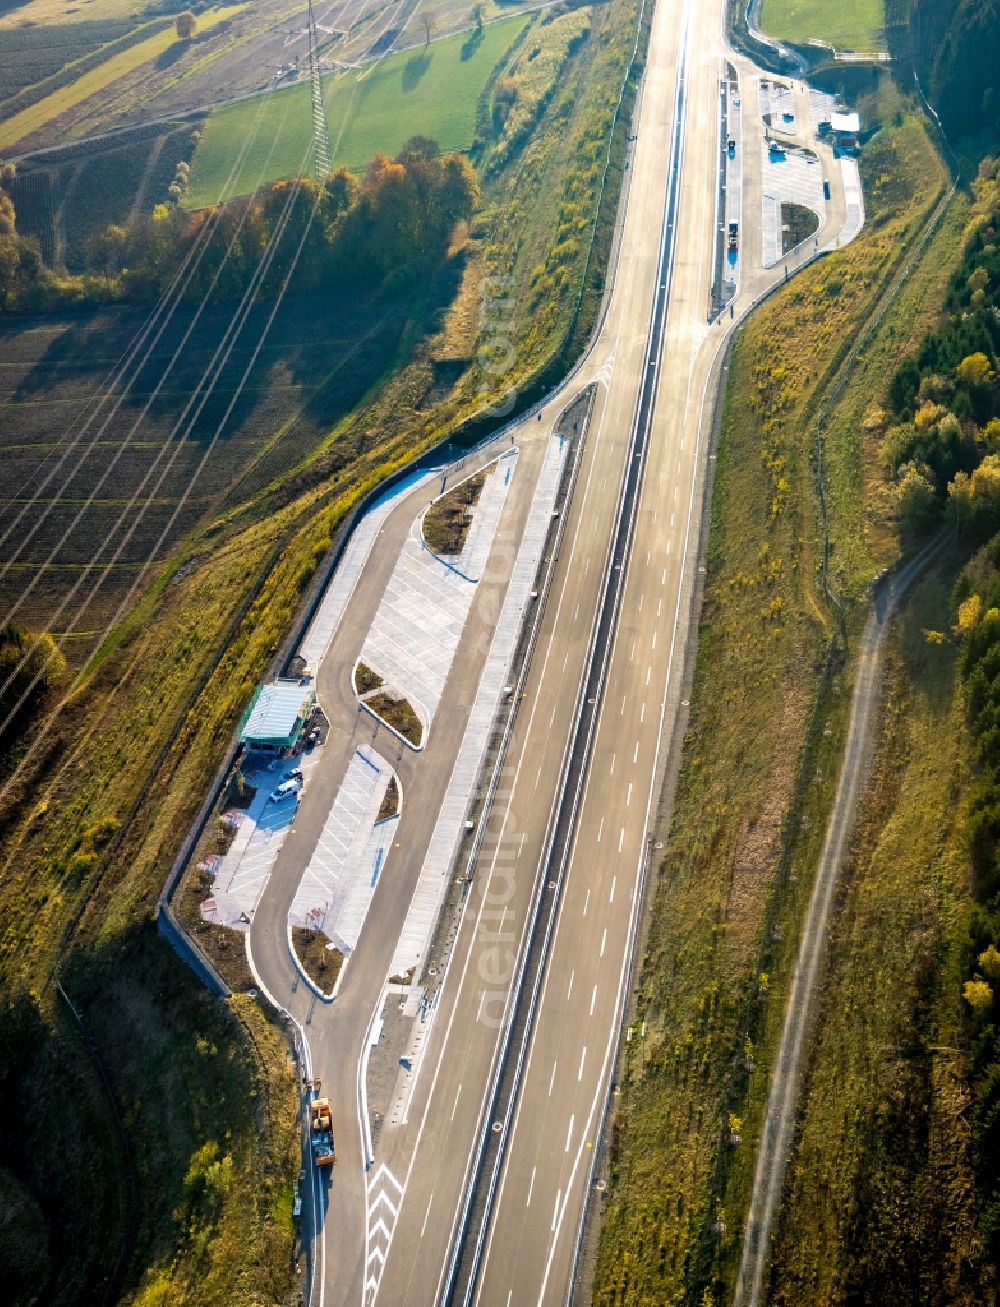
285, 790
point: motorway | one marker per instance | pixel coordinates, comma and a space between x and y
477, 1191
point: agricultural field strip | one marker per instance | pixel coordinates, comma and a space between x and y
35, 116
141, 351
31, 57
165, 310
440, 104
194, 254
50, 719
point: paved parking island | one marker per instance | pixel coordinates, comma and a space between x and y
423, 612
471, 562
428, 896
337, 886
243, 871
851, 175
791, 176
328, 615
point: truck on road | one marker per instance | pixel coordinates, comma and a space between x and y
321, 1132
734, 237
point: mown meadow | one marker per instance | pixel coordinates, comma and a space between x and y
856, 25
430, 91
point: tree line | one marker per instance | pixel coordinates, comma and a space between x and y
383, 228
943, 452
942, 449
977, 604
956, 44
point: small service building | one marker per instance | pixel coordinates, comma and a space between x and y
277, 715
845, 128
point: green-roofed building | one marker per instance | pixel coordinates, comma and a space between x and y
277, 713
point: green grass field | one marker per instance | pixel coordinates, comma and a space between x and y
430, 92
852, 25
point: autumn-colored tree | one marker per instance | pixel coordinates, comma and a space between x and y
340, 194
185, 24
989, 964
24, 278
397, 219
978, 995
916, 499
974, 500
976, 370
30, 663
105, 251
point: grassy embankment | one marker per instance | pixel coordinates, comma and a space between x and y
99, 811
763, 748
35, 116
856, 25
879, 1206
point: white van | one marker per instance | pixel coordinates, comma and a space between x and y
285, 790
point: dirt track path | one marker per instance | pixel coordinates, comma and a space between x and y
779, 1122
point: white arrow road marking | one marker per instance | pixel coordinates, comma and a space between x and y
382, 1198
383, 1211
384, 1171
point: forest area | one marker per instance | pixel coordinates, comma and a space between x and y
397, 218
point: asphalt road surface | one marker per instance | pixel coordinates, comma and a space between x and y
394, 1226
